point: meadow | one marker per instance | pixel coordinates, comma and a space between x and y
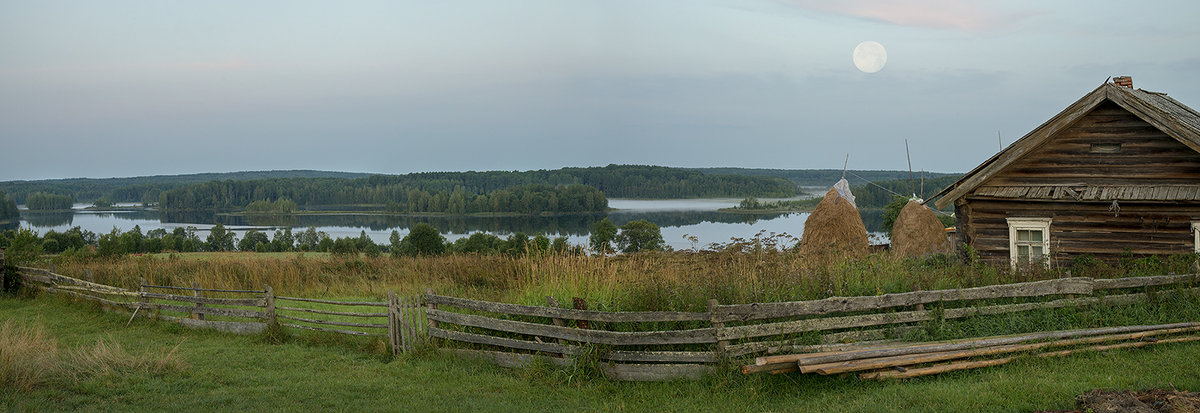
302, 370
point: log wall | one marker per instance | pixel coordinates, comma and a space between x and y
1148, 157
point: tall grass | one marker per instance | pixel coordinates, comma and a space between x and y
30, 356
740, 272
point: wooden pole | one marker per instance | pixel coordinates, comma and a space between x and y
803, 360
432, 323
91, 277
870, 364
394, 339
269, 297
717, 326
964, 365
580, 304
910, 174
199, 306
3, 274
551, 302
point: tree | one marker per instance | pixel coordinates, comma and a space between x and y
891, 212
220, 239
604, 236
252, 239
640, 235
423, 239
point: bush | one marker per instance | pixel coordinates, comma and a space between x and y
423, 239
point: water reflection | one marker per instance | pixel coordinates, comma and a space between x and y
678, 218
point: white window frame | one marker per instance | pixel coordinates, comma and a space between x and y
1028, 224
1196, 234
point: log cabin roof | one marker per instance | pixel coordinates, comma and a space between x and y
1159, 110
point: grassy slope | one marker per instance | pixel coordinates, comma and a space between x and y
231, 373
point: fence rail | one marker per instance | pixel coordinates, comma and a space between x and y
682, 344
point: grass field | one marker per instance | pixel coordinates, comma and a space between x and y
315, 372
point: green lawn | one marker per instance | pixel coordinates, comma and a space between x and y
311, 373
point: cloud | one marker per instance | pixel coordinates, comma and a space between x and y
226, 64
934, 14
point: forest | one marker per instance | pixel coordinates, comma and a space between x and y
321, 188
41, 201
8, 208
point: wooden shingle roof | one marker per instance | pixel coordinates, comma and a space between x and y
1166, 114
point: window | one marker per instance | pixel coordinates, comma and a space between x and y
1028, 241
1106, 148
1196, 233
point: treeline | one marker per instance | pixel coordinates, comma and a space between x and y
145, 189
24, 244
280, 194
41, 201
8, 208
620, 181
823, 177
873, 195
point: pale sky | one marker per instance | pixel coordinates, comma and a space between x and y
127, 88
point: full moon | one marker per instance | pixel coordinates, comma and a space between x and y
870, 56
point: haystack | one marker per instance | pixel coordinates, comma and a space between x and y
835, 227
918, 232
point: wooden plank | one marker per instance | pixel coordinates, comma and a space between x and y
235, 327
746, 312
351, 303
249, 302
513, 360
171, 287
328, 312
947, 367
333, 323
694, 336
1131, 282
567, 313
656, 372
331, 330
228, 312
553, 348
854, 355
621, 372
59, 278
912, 359
84, 296
661, 356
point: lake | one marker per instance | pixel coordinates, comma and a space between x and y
679, 219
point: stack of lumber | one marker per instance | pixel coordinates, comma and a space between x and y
922, 359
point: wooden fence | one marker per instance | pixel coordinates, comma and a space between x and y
247, 311
656, 345
673, 345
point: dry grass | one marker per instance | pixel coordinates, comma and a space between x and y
30, 357
742, 271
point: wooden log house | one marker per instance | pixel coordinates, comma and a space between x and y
1117, 172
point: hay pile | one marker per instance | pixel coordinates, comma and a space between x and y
834, 228
918, 232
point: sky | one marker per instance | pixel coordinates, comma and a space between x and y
129, 88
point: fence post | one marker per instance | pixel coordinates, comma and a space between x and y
91, 278
199, 315
3, 274
580, 305
716, 325
550, 301
431, 306
54, 268
269, 298
142, 292
393, 323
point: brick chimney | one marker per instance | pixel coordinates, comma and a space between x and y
1126, 81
